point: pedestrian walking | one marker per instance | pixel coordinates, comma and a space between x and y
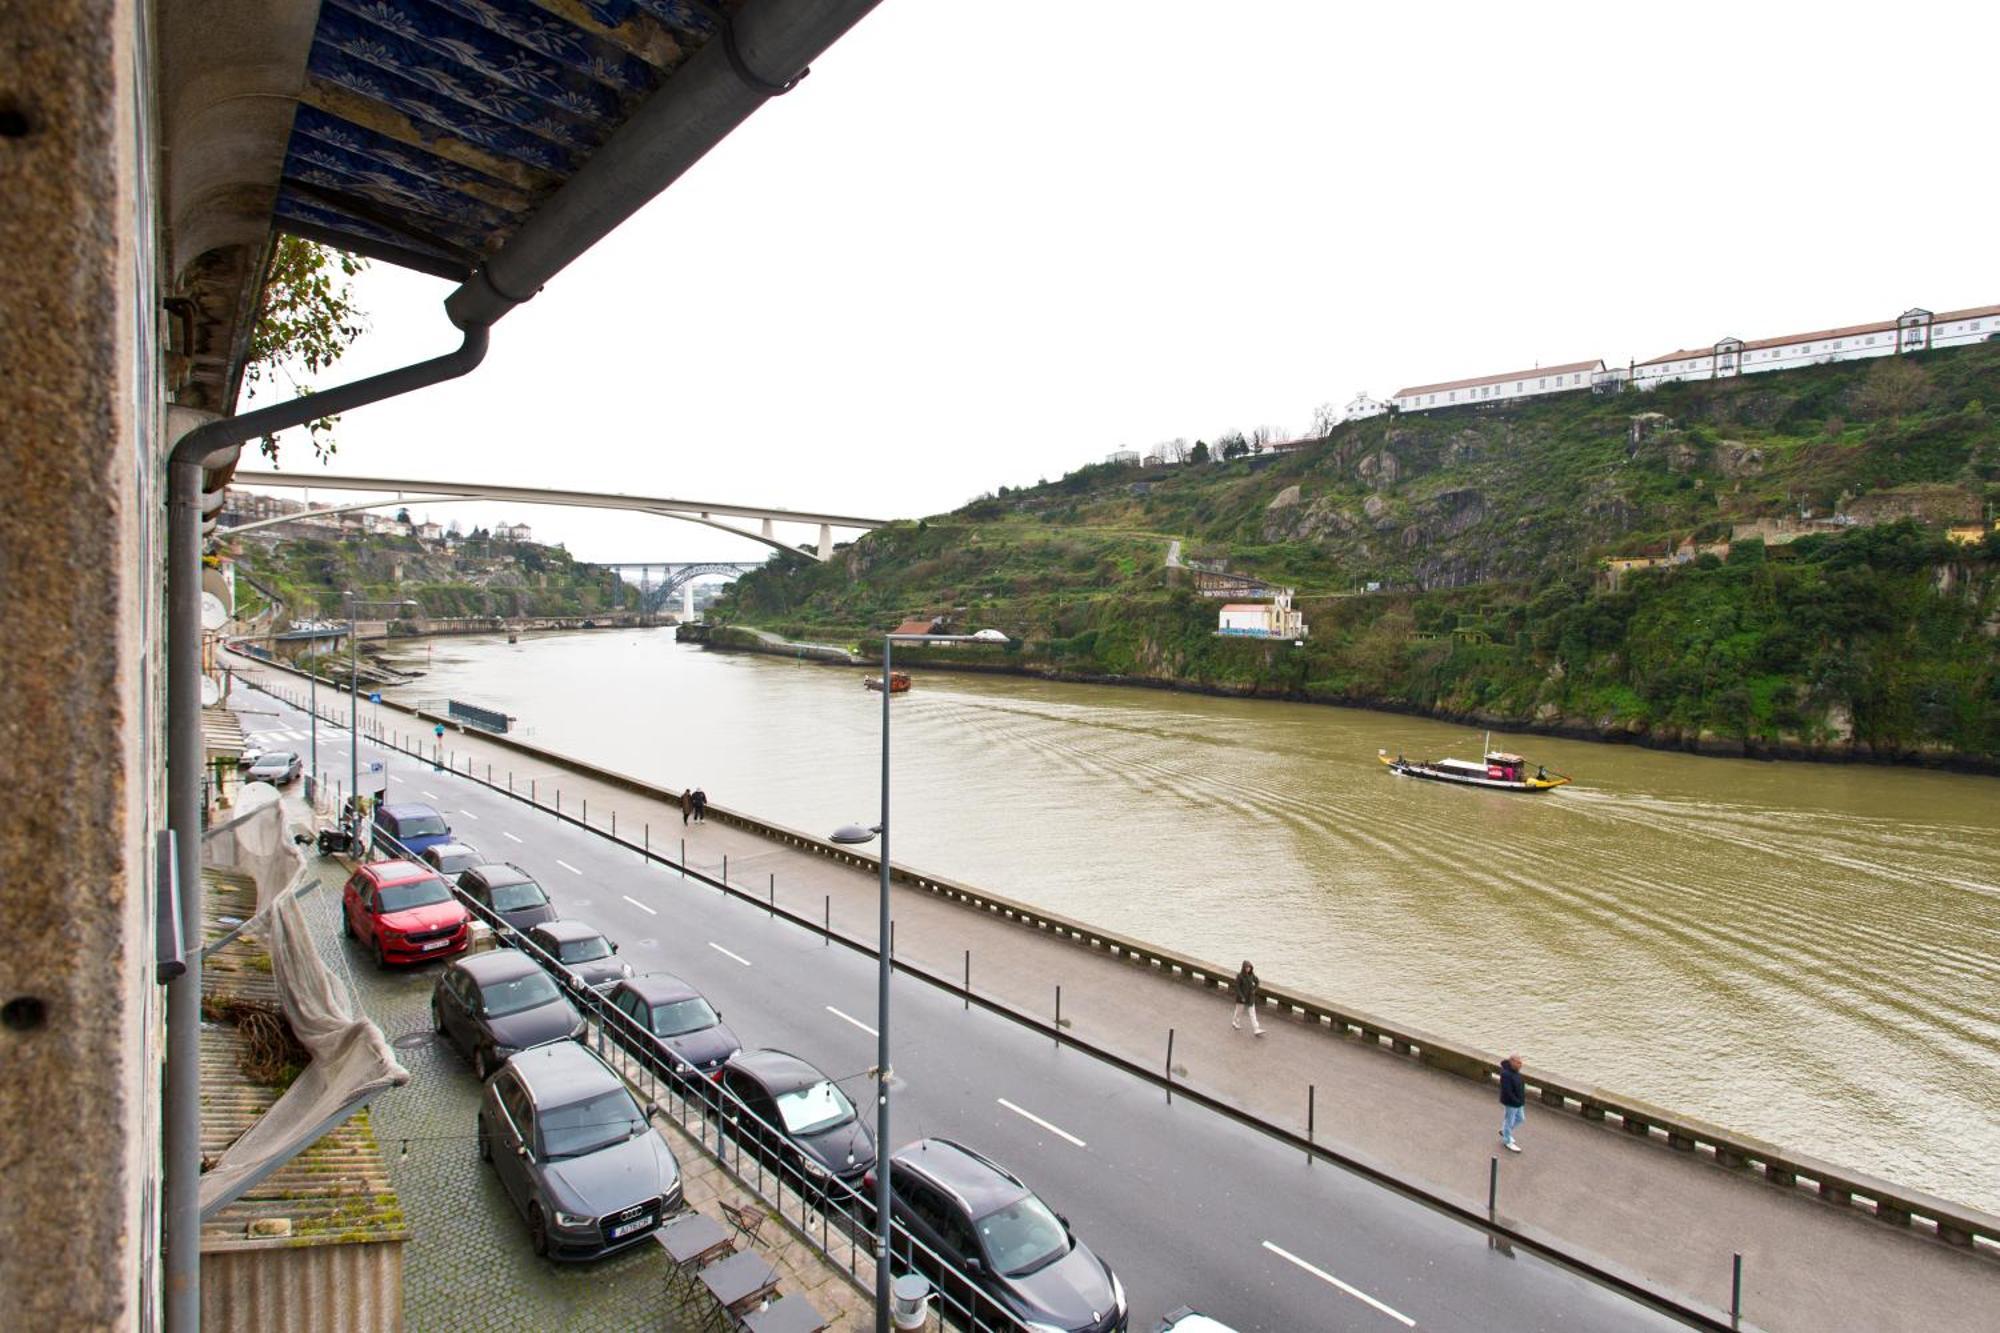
1513, 1102
700, 806
1247, 988
687, 803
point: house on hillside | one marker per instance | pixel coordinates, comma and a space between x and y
933, 625
1571, 377
513, 532
1275, 619
1123, 457
1915, 330
428, 533
1362, 406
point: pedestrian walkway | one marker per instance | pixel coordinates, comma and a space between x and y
1634, 1204
468, 1263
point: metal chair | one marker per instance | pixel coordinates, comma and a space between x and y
747, 1221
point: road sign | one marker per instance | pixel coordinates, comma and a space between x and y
375, 696
375, 777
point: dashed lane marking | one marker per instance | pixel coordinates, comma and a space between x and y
1030, 1115
636, 903
1331, 1280
850, 1018
510, 837
728, 954
469, 815
567, 866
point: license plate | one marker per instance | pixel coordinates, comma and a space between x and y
628, 1228
434, 944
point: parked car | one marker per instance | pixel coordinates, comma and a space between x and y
450, 858
496, 1004
684, 1026
277, 767
509, 892
1004, 1240
805, 1107
1189, 1320
403, 912
583, 949
578, 1157
407, 829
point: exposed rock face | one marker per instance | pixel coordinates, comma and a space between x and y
1736, 459
1284, 499
1374, 507
1379, 469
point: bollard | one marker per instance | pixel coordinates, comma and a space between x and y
489, 775
647, 855
684, 858
826, 930
725, 872
586, 812
532, 798
558, 802
614, 826
510, 782
1310, 1091
1736, 1292
892, 937
968, 978
1058, 1017
1492, 1187
1170, 1066
774, 893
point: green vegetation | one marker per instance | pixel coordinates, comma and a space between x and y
477, 577
1487, 532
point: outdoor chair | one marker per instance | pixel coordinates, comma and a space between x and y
747, 1221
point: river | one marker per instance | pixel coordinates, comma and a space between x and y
1806, 953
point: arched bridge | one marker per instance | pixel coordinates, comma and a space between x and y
659, 580
711, 513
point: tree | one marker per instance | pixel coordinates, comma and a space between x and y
1894, 385
1325, 417
1172, 451
403, 517
306, 318
1234, 445
1200, 453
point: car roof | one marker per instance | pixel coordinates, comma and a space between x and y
447, 848
495, 874
397, 871
562, 1072
405, 809
270, 755
779, 1072
660, 988
497, 965
979, 1183
567, 930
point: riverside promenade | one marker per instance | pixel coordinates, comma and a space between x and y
1629, 1188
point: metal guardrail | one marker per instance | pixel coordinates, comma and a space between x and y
826, 1212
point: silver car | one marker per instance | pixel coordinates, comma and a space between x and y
277, 767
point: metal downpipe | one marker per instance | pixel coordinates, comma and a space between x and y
215, 441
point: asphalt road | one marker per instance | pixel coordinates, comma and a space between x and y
1187, 1206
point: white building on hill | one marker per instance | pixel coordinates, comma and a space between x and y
1515, 385
1915, 330
1275, 619
1362, 406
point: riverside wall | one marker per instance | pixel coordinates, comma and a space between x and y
1911, 1210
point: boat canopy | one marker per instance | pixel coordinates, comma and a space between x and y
1496, 757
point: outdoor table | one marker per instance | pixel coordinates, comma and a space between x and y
692, 1239
788, 1314
740, 1280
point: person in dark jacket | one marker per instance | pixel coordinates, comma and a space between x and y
700, 806
687, 803
1246, 998
1513, 1101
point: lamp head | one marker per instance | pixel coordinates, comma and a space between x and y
853, 833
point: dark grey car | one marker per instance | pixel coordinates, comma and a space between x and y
996, 1235
799, 1104
509, 892
451, 859
578, 1157
494, 1004
683, 1025
583, 950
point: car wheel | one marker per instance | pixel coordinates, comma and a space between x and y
538, 1230
485, 1142
381, 955
480, 1068
346, 924
437, 1018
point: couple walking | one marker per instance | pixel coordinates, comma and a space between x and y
694, 805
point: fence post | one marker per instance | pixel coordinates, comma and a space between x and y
968, 978
1736, 1292
649, 842
1310, 1091
826, 930
725, 872
614, 826
1492, 1187
510, 782
489, 775
558, 802
774, 893
533, 799
684, 858
1170, 1066
586, 812
1058, 1017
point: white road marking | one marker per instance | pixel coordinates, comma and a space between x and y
567, 866
433, 795
850, 1018
727, 954
510, 837
1331, 1280
469, 815
1030, 1115
394, 778
636, 903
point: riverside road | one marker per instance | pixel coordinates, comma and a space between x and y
1201, 1223
1188, 1206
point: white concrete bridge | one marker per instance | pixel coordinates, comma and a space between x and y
402, 491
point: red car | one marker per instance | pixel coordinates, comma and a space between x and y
404, 912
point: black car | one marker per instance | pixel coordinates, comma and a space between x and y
803, 1105
1004, 1240
577, 1155
509, 892
583, 950
683, 1025
494, 1004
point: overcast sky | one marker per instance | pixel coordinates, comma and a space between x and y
987, 242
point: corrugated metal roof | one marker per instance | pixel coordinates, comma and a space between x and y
438, 126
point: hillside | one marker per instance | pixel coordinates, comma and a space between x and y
1487, 531
476, 577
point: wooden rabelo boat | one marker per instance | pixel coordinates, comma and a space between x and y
1500, 772
899, 682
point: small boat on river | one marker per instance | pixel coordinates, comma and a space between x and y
899, 682
1500, 772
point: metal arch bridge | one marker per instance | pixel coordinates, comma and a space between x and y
674, 576
410, 491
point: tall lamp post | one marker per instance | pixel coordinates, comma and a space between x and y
353, 706
860, 833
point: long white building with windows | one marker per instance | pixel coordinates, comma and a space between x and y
1493, 388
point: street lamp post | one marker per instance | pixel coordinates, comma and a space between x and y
312, 661
858, 833
353, 708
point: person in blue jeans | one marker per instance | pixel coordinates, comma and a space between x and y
1513, 1101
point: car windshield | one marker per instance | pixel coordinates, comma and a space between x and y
416, 893
502, 998
457, 861
585, 1126
274, 759
585, 951
682, 1017
422, 826
809, 1110
1022, 1236
514, 897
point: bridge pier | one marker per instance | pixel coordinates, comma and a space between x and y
826, 541
687, 601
